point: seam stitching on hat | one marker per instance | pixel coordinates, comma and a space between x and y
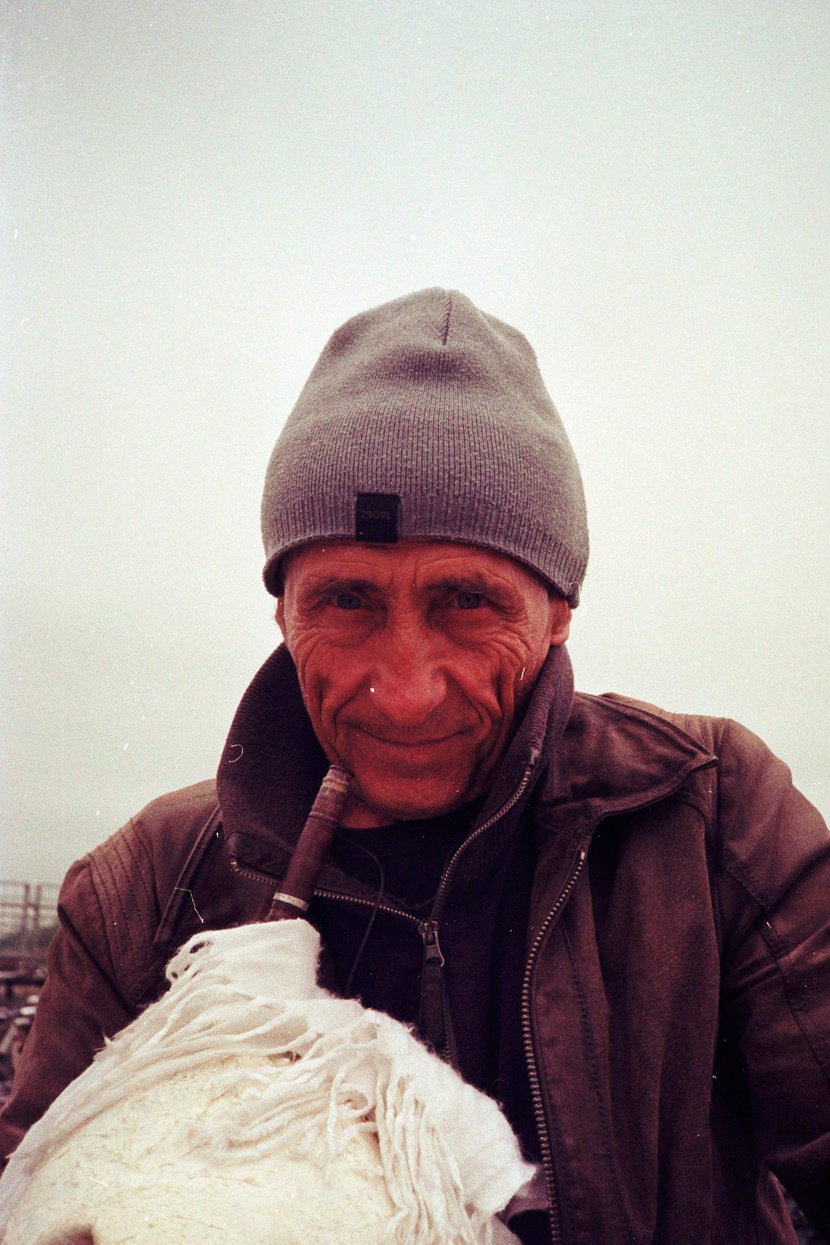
445, 328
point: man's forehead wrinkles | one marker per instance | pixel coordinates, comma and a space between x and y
460, 568
409, 567
425, 579
341, 583
331, 568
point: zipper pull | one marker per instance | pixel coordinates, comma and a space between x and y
432, 1018
432, 947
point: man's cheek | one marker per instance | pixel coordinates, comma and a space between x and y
326, 695
315, 692
306, 643
483, 682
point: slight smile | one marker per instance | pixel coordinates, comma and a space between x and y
391, 742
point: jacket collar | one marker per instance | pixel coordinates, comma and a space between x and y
271, 767
616, 755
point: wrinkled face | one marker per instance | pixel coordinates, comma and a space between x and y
413, 661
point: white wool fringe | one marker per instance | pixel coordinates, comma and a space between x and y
449, 1157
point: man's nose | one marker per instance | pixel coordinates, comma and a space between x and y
408, 679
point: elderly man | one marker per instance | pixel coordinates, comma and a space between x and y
610, 918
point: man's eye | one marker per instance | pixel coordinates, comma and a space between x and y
469, 600
347, 601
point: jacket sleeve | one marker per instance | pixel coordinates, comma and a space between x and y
774, 896
79, 1007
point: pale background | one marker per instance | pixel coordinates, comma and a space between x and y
198, 193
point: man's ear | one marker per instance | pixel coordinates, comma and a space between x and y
560, 620
279, 614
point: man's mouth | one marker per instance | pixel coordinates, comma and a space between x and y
405, 741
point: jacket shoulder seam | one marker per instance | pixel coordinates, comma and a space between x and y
103, 923
118, 919
675, 724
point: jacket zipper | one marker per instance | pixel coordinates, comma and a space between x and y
435, 1009
530, 1055
436, 1025
259, 875
255, 875
462, 847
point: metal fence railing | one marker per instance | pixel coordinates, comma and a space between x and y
28, 917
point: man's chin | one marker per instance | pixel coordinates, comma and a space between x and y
380, 804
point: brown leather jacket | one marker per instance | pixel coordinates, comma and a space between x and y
676, 997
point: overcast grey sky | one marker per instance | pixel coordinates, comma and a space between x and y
198, 193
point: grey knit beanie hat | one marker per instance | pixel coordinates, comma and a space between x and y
427, 418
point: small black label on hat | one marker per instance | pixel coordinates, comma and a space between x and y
376, 517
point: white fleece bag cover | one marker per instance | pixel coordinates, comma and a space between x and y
249, 1105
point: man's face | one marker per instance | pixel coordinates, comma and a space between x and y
413, 661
